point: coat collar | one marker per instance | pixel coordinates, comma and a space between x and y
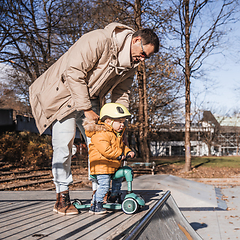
91, 127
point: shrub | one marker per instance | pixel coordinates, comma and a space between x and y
25, 149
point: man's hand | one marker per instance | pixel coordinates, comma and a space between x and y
91, 115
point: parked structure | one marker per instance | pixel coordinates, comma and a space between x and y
213, 135
10, 121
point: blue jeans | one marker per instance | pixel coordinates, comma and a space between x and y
63, 134
103, 181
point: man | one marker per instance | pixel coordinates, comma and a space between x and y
100, 62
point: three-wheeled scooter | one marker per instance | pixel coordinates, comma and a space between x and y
132, 202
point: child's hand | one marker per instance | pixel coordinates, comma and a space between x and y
121, 157
131, 154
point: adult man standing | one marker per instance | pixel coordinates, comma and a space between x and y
100, 62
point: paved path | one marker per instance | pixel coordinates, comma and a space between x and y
216, 224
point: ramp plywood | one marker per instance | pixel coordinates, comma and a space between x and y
164, 221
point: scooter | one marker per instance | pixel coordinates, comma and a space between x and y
132, 202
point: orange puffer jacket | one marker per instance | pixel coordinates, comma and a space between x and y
105, 147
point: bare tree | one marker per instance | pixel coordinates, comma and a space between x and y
200, 26
156, 87
34, 34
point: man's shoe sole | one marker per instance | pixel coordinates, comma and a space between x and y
63, 213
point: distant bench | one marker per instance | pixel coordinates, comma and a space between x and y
143, 167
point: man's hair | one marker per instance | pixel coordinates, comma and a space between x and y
149, 37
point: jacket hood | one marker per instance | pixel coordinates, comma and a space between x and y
91, 127
121, 30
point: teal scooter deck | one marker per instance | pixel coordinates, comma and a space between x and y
131, 203
110, 206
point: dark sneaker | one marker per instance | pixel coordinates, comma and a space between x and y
92, 208
115, 199
99, 208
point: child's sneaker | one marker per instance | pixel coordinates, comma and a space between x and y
97, 208
92, 208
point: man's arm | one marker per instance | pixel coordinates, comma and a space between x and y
82, 57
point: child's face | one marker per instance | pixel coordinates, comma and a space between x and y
117, 124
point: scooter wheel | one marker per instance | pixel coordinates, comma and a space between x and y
77, 201
129, 206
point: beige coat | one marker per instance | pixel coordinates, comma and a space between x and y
89, 69
105, 147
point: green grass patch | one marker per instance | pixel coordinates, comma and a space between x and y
227, 161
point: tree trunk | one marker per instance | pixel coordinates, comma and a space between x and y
143, 116
141, 76
145, 111
209, 149
187, 166
141, 111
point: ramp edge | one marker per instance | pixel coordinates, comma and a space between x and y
138, 228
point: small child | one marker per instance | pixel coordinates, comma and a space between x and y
106, 151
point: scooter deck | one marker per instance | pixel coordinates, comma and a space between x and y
111, 206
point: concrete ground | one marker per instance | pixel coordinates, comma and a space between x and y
213, 213
215, 223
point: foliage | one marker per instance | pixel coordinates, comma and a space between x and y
26, 149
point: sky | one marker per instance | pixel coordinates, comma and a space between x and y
223, 78
2, 75
223, 74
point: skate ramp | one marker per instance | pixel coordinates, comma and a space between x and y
164, 221
187, 194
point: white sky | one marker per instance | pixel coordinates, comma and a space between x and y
223, 97
3, 67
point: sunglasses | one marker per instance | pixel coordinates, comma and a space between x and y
143, 53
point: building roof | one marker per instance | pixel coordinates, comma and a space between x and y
228, 121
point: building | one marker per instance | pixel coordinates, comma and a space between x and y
213, 135
10, 121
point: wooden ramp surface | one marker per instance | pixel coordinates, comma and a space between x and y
29, 215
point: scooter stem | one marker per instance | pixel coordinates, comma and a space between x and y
129, 187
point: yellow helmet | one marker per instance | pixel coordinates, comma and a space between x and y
114, 110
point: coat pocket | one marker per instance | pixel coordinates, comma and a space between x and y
53, 98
